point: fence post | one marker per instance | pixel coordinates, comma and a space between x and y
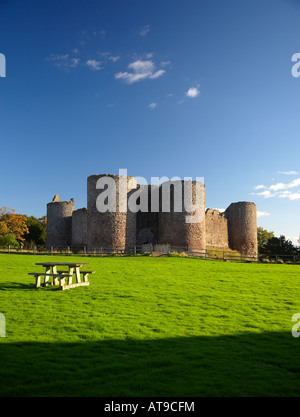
34, 250
51, 250
205, 254
8, 248
134, 250
241, 256
84, 250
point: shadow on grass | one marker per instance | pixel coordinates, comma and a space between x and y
12, 286
251, 364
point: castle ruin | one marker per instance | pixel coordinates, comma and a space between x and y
235, 228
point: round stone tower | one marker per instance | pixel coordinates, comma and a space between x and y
59, 223
185, 228
114, 228
242, 227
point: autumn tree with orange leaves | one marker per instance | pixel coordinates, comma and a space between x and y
12, 223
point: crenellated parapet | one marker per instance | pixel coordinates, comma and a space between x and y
216, 226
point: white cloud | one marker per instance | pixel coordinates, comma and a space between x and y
262, 213
157, 74
294, 183
283, 186
74, 62
260, 187
93, 64
192, 92
294, 196
64, 61
280, 190
278, 186
284, 194
140, 66
265, 194
152, 105
140, 70
107, 56
288, 172
114, 58
294, 239
145, 30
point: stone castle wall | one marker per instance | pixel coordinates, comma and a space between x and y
236, 228
79, 227
216, 226
173, 227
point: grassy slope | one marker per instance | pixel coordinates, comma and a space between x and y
151, 326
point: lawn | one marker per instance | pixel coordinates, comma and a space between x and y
151, 327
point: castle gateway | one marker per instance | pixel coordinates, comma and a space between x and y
235, 228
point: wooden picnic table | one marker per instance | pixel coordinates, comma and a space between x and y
51, 270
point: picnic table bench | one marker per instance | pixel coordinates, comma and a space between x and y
59, 277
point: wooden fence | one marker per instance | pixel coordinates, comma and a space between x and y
159, 250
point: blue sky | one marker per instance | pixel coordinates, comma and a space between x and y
189, 88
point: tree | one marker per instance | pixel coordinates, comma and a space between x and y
9, 240
13, 223
36, 231
263, 237
280, 246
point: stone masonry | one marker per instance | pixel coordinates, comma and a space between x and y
236, 228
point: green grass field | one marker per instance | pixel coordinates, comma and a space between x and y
151, 327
